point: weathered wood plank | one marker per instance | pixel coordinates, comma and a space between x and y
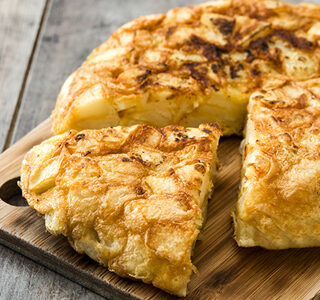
19, 24
23, 279
71, 30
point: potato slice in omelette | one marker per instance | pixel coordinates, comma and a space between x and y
279, 203
192, 65
132, 198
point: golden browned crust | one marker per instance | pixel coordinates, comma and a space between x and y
279, 199
195, 64
132, 198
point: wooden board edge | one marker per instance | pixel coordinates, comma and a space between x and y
35, 136
63, 268
16, 152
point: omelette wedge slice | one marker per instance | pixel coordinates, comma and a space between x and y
279, 202
132, 198
193, 65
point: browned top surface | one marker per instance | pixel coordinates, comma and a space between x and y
227, 47
279, 199
131, 198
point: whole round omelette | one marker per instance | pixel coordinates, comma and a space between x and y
252, 64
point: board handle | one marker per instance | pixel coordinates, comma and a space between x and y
11, 193
10, 164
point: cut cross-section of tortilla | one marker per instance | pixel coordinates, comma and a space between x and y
193, 65
132, 198
279, 202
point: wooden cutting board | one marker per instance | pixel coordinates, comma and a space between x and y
226, 271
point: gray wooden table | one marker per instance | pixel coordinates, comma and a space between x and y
41, 42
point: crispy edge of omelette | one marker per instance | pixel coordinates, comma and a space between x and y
132, 198
278, 205
196, 75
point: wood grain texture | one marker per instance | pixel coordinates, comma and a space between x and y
30, 280
226, 271
19, 24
